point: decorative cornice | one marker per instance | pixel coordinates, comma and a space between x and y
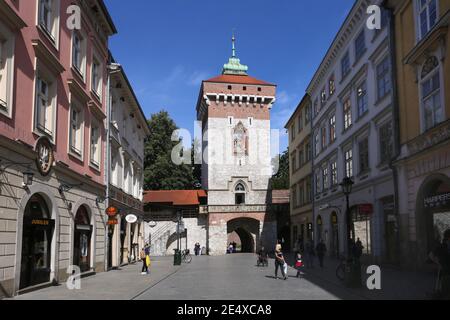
47, 57
9, 15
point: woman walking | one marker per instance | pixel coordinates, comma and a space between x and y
143, 257
279, 262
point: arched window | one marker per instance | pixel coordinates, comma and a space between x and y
37, 208
430, 85
239, 191
240, 140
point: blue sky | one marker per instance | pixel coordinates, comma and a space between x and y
168, 47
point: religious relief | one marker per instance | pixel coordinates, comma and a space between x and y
240, 140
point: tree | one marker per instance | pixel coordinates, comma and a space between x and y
280, 180
160, 172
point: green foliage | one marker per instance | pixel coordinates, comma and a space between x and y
160, 172
280, 180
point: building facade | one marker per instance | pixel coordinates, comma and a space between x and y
352, 111
423, 164
300, 166
128, 130
234, 111
52, 126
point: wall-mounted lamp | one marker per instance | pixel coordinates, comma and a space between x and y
100, 199
28, 175
67, 187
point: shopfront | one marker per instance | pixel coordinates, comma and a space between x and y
82, 240
37, 237
334, 238
362, 226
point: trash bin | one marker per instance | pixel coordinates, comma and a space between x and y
177, 257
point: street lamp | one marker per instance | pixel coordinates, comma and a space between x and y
352, 268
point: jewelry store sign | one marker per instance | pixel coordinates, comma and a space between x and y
437, 201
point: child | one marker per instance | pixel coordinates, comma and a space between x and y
298, 264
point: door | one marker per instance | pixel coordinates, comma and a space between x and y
82, 248
36, 252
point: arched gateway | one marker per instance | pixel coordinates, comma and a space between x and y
234, 109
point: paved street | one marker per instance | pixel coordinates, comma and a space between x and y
232, 277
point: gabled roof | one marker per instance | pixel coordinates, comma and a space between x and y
239, 79
175, 197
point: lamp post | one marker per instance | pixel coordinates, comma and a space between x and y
352, 268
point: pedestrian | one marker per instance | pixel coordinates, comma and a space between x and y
143, 257
197, 249
234, 247
279, 262
309, 254
441, 256
321, 249
298, 264
358, 249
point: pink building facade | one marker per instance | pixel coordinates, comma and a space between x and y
53, 110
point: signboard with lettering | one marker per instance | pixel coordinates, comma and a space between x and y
365, 208
112, 222
437, 201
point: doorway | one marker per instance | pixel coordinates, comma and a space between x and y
38, 230
82, 240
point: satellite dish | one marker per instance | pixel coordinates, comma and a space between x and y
152, 224
131, 218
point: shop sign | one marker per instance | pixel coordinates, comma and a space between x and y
437, 201
131, 218
112, 211
365, 208
112, 222
45, 156
40, 222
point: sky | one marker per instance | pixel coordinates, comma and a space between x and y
167, 47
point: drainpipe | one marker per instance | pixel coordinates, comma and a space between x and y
396, 121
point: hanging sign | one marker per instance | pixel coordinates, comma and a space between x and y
131, 218
112, 222
112, 211
45, 156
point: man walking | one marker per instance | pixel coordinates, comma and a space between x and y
321, 249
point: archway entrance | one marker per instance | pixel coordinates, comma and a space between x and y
433, 213
245, 233
37, 237
334, 241
82, 240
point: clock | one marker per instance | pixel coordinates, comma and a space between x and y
45, 156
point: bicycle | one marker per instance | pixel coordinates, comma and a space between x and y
186, 256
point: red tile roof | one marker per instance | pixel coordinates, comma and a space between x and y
240, 79
175, 197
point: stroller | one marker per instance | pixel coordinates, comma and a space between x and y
263, 259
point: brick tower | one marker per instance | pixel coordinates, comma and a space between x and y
234, 109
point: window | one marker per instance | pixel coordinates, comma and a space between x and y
331, 85
384, 78
316, 144
240, 194
49, 18
293, 132
324, 137
6, 70
334, 174
301, 158
325, 178
347, 114
361, 93
332, 128
386, 144
301, 194
95, 145
323, 98
308, 190
300, 122
76, 129
294, 196
430, 84
78, 52
318, 190
345, 65
316, 107
294, 162
349, 163
45, 105
427, 16
363, 149
114, 167
308, 152
307, 114
96, 85
360, 45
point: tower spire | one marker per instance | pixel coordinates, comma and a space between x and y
234, 65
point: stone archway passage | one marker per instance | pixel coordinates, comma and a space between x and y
247, 229
247, 243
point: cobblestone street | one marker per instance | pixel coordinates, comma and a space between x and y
232, 277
